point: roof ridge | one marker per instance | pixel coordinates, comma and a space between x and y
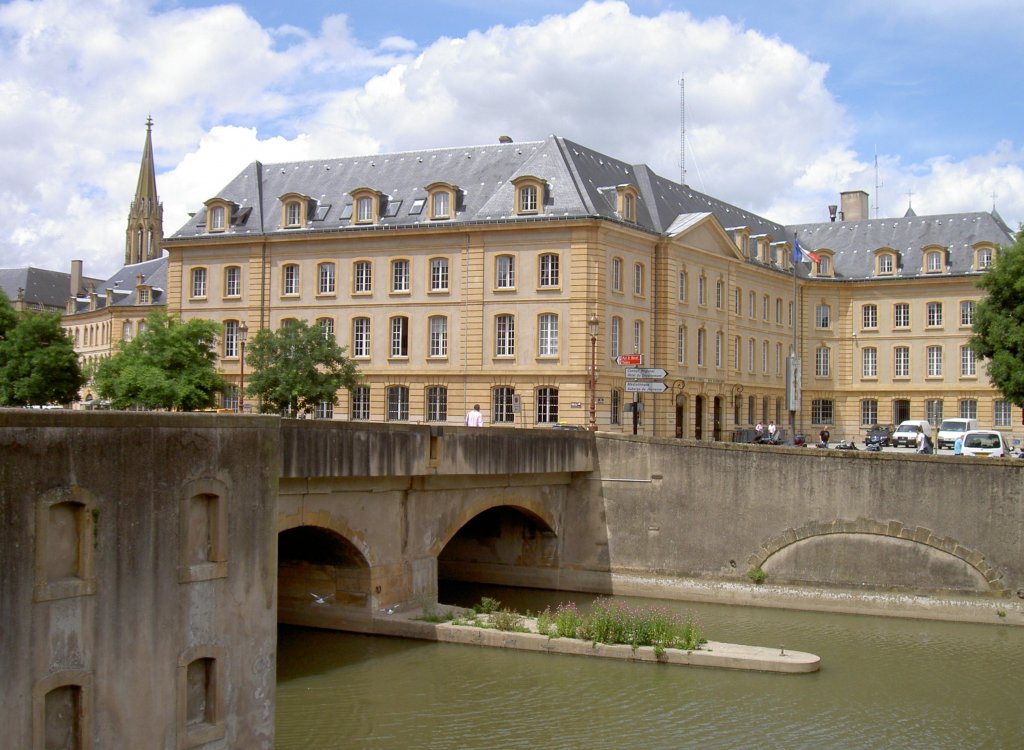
321, 160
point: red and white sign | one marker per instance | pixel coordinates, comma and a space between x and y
630, 359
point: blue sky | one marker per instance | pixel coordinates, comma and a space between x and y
787, 104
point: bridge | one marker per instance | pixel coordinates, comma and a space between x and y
161, 550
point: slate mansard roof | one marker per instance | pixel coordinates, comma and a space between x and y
123, 284
42, 289
580, 183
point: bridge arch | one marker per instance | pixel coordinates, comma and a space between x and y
534, 510
951, 561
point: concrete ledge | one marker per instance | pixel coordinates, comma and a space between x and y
711, 654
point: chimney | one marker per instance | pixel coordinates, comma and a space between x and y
504, 139
854, 205
76, 277
832, 209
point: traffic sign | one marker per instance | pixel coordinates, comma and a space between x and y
645, 386
641, 373
629, 359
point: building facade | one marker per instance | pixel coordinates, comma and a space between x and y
513, 275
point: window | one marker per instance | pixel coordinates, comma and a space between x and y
823, 267
399, 276
778, 310
750, 409
638, 336
933, 411
1002, 410
821, 411
967, 313
616, 274
638, 279
364, 210
290, 279
627, 207
230, 338
549, 270
702, 292
437, 403
439, 274
438, 326
547, 405
503, 405
719, 294
778, 359
547, 335
901, 362
701, 344
528, 199
934, 314
126, 331
984, 259
791, 315
823, 316
325, 274
681, 345
684, 279
361, 403
968, 409
326, 328
869, 362
750, 354
869, 411
752, 305
765, 308
901, 315
198, 282
737, 301
869, 316
968, 362
933, 262
718, 349
292, 213
362, 277
217, 223
764, 357
504, 336
934, 354
616, 337
615, 415
361, 337
324, 410
232, 281
505, 272
399, 336
821, 361
204, 710
440, 205
398, 403
885, 264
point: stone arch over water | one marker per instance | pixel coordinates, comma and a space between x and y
882, 554
319, 570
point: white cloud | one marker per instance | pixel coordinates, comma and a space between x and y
79, 79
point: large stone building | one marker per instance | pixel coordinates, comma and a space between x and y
493, 274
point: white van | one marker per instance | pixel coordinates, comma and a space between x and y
951, 429
906, 434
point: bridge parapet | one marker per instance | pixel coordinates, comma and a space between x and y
365, 449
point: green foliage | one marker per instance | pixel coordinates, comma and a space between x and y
509, 621
486, 605
169, 365
295, 368
757, 575
999, 322
38, 364
616, 622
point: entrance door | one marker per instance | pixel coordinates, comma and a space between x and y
900, 410
698, 418
717, 415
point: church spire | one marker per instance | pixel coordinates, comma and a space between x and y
145, 232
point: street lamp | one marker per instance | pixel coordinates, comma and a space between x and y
592, 324
243, 334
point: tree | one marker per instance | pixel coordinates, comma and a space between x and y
999, 322
168, 365
296, 367
38, 364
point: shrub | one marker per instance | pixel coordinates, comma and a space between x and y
756, 574
508, 620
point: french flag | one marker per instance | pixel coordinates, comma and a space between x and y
800, 254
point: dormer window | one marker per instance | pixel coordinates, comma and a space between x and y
983, 258
626, 202
885, 263
366, 206
294, 210
218, 215
934, 261
143, 295
441, 200
529, 194
217, 222
823, 266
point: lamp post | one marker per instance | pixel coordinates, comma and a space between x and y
592, 324
243, 334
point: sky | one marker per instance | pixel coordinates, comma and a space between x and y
787, 103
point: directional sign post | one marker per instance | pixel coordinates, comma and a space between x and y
644, 386
629, 359
645, 373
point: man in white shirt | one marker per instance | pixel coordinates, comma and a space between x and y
474, 417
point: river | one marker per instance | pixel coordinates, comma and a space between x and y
884, 683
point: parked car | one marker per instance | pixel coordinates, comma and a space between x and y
951, 429
879, 435
906, 434
985, 443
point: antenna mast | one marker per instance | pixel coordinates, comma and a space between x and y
682, 129
878, 184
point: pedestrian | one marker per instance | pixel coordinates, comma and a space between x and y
758, 432
772, 430
823, 437
923, 441
474, 417
958, 445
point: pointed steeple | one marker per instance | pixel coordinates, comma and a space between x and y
145, 232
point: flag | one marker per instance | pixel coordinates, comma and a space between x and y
800, 254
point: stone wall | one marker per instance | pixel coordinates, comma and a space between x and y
137, 580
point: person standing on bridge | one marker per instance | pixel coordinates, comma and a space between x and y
773, 430
474, 417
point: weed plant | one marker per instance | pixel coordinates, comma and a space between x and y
615, 622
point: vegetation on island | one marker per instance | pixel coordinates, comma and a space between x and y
999, 322
607, 621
